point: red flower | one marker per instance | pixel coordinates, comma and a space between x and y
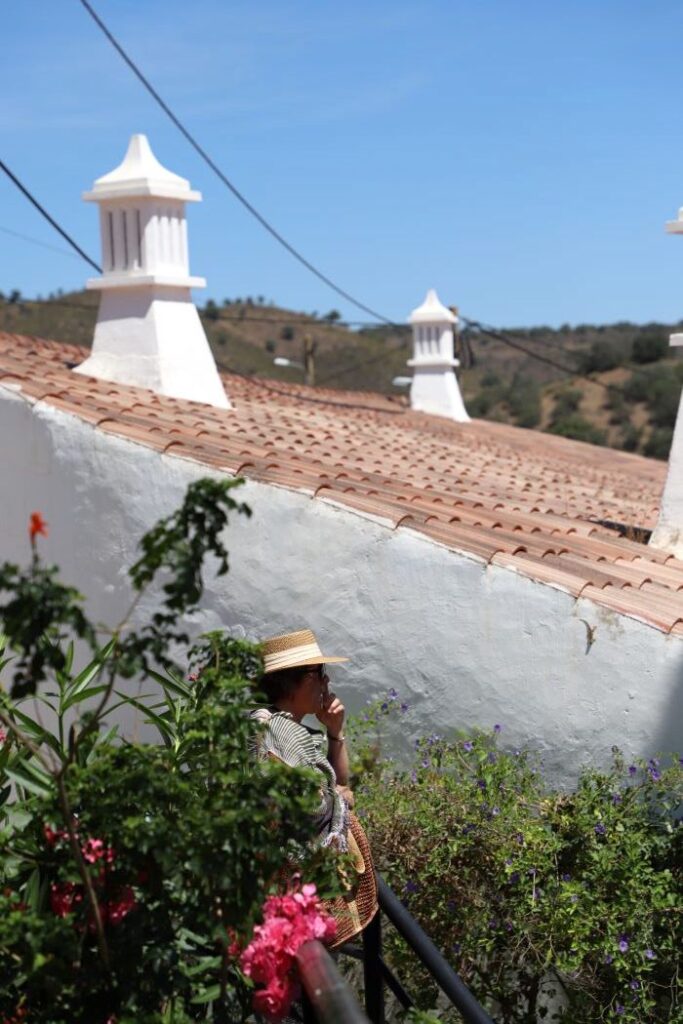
115, 910
65, 897
37, 525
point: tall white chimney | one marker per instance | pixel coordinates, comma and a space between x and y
435, 387
668, 533
148, 332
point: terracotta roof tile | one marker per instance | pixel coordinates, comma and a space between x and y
515, 498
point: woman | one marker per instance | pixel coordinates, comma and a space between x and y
296, 684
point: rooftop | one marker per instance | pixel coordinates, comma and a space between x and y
530, 502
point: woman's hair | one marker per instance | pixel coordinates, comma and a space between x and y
277, 685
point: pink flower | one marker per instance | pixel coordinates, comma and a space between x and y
3, 735
94, 850
269, 959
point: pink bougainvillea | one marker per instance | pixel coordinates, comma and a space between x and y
288, 922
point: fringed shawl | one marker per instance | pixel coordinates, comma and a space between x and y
286, 740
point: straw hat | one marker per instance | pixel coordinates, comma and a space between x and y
292, 650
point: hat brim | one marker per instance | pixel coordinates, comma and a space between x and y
320, 659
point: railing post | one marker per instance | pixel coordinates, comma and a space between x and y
372, 970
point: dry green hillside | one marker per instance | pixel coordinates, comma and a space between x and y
618, 384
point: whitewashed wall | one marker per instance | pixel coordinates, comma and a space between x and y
464, 644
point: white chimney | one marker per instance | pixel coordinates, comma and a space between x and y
668, 533
148, 332
435, 387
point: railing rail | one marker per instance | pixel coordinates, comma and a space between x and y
326, 995
328, 998
439, 968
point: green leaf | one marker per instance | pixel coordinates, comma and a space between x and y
37, 731
171, 682
76, 698
84, 678
167, 734
28, 780
209, 995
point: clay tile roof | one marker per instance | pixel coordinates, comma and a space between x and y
539, 505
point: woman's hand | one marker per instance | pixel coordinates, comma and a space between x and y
331, 715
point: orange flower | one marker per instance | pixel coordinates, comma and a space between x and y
37, 525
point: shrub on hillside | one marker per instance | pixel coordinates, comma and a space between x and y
524, 401
579, 429
658, 445
546, 903
602, 356
567, 402
648, 348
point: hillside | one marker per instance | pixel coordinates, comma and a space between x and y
622, 391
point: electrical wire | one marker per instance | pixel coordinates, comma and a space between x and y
219, 173
41, 209
35, 241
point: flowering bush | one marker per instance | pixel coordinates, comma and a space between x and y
564, 905
288, 922
131, 873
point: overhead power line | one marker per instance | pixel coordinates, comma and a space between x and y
36, 241
223, 177
41, 209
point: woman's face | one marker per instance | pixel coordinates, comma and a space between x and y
312, 690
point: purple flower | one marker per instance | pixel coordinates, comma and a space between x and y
654, 774
393, 694
411, 886
619, 1009
456, 947
413, 776
635, 985
495, 811
623, 943
481, 784
491, 758
514, 877
616, 798
497, 728
404, 707
385, 706
516, 753
566, 877
451, 905
649, 954
519, 838
600, 829
608, 958
425, 762
632, 769
467, 745
493, 923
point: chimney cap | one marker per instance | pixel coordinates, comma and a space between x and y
141, 174
432, 311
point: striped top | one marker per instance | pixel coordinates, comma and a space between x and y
296, 745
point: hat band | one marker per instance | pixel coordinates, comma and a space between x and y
292, 657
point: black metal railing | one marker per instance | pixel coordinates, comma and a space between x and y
377, 972
328, 998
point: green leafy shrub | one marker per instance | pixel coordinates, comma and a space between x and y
658, 445
524, 401
557, 905
567, 402
649, 347
578, 428
603, 356
132, 873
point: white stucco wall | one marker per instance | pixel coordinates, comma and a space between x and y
464, 644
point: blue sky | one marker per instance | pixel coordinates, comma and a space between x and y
521, 157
